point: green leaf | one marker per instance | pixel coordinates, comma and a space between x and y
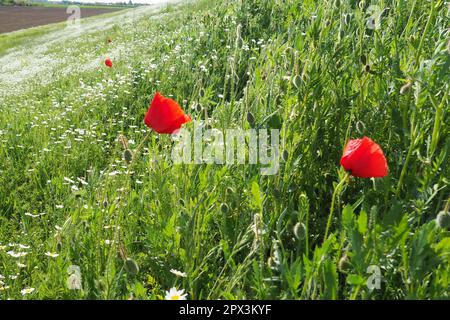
331, 280
362, 222
256, 195
348, 218
355, 280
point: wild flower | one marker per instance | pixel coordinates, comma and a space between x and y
165, 115
175, 294
364, 158
178, 273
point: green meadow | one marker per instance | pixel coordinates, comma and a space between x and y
78, 221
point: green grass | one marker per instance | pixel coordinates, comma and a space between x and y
296, 66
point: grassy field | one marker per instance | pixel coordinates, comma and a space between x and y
72, 210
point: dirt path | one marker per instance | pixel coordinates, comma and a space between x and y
17, 18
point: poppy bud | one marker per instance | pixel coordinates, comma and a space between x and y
347, 19
443, 220
270, 263
250, 119
198, 108
363, 59
285, 155
300, 231
128, 156
405, 88
344, 264
131, 266
224, 208
297, 81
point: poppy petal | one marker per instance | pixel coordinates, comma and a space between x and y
165, 115
364, 158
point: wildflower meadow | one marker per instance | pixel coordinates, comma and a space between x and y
228, 149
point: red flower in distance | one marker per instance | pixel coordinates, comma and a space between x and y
165, 115
108, 63
364, 158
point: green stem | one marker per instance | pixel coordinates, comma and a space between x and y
142, 143
333, 200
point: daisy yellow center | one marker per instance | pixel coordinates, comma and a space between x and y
176, 297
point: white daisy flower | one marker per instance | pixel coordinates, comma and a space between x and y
175, 294
51, 254
27, 291
178, 273
17, 254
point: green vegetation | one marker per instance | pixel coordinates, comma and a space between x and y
315, 70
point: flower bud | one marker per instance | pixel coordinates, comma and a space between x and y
344, 264
443, 220
128, 156
224, 208
131, 266
300, 231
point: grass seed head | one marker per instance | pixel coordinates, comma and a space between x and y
123, 141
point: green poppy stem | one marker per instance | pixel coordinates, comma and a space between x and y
142, 143
333, 200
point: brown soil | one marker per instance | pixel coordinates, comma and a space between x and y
16, 18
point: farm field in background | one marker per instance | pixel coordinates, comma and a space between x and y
17, 18
93, 205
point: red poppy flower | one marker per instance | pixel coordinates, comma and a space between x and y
364, 158
165, 115
108, 63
